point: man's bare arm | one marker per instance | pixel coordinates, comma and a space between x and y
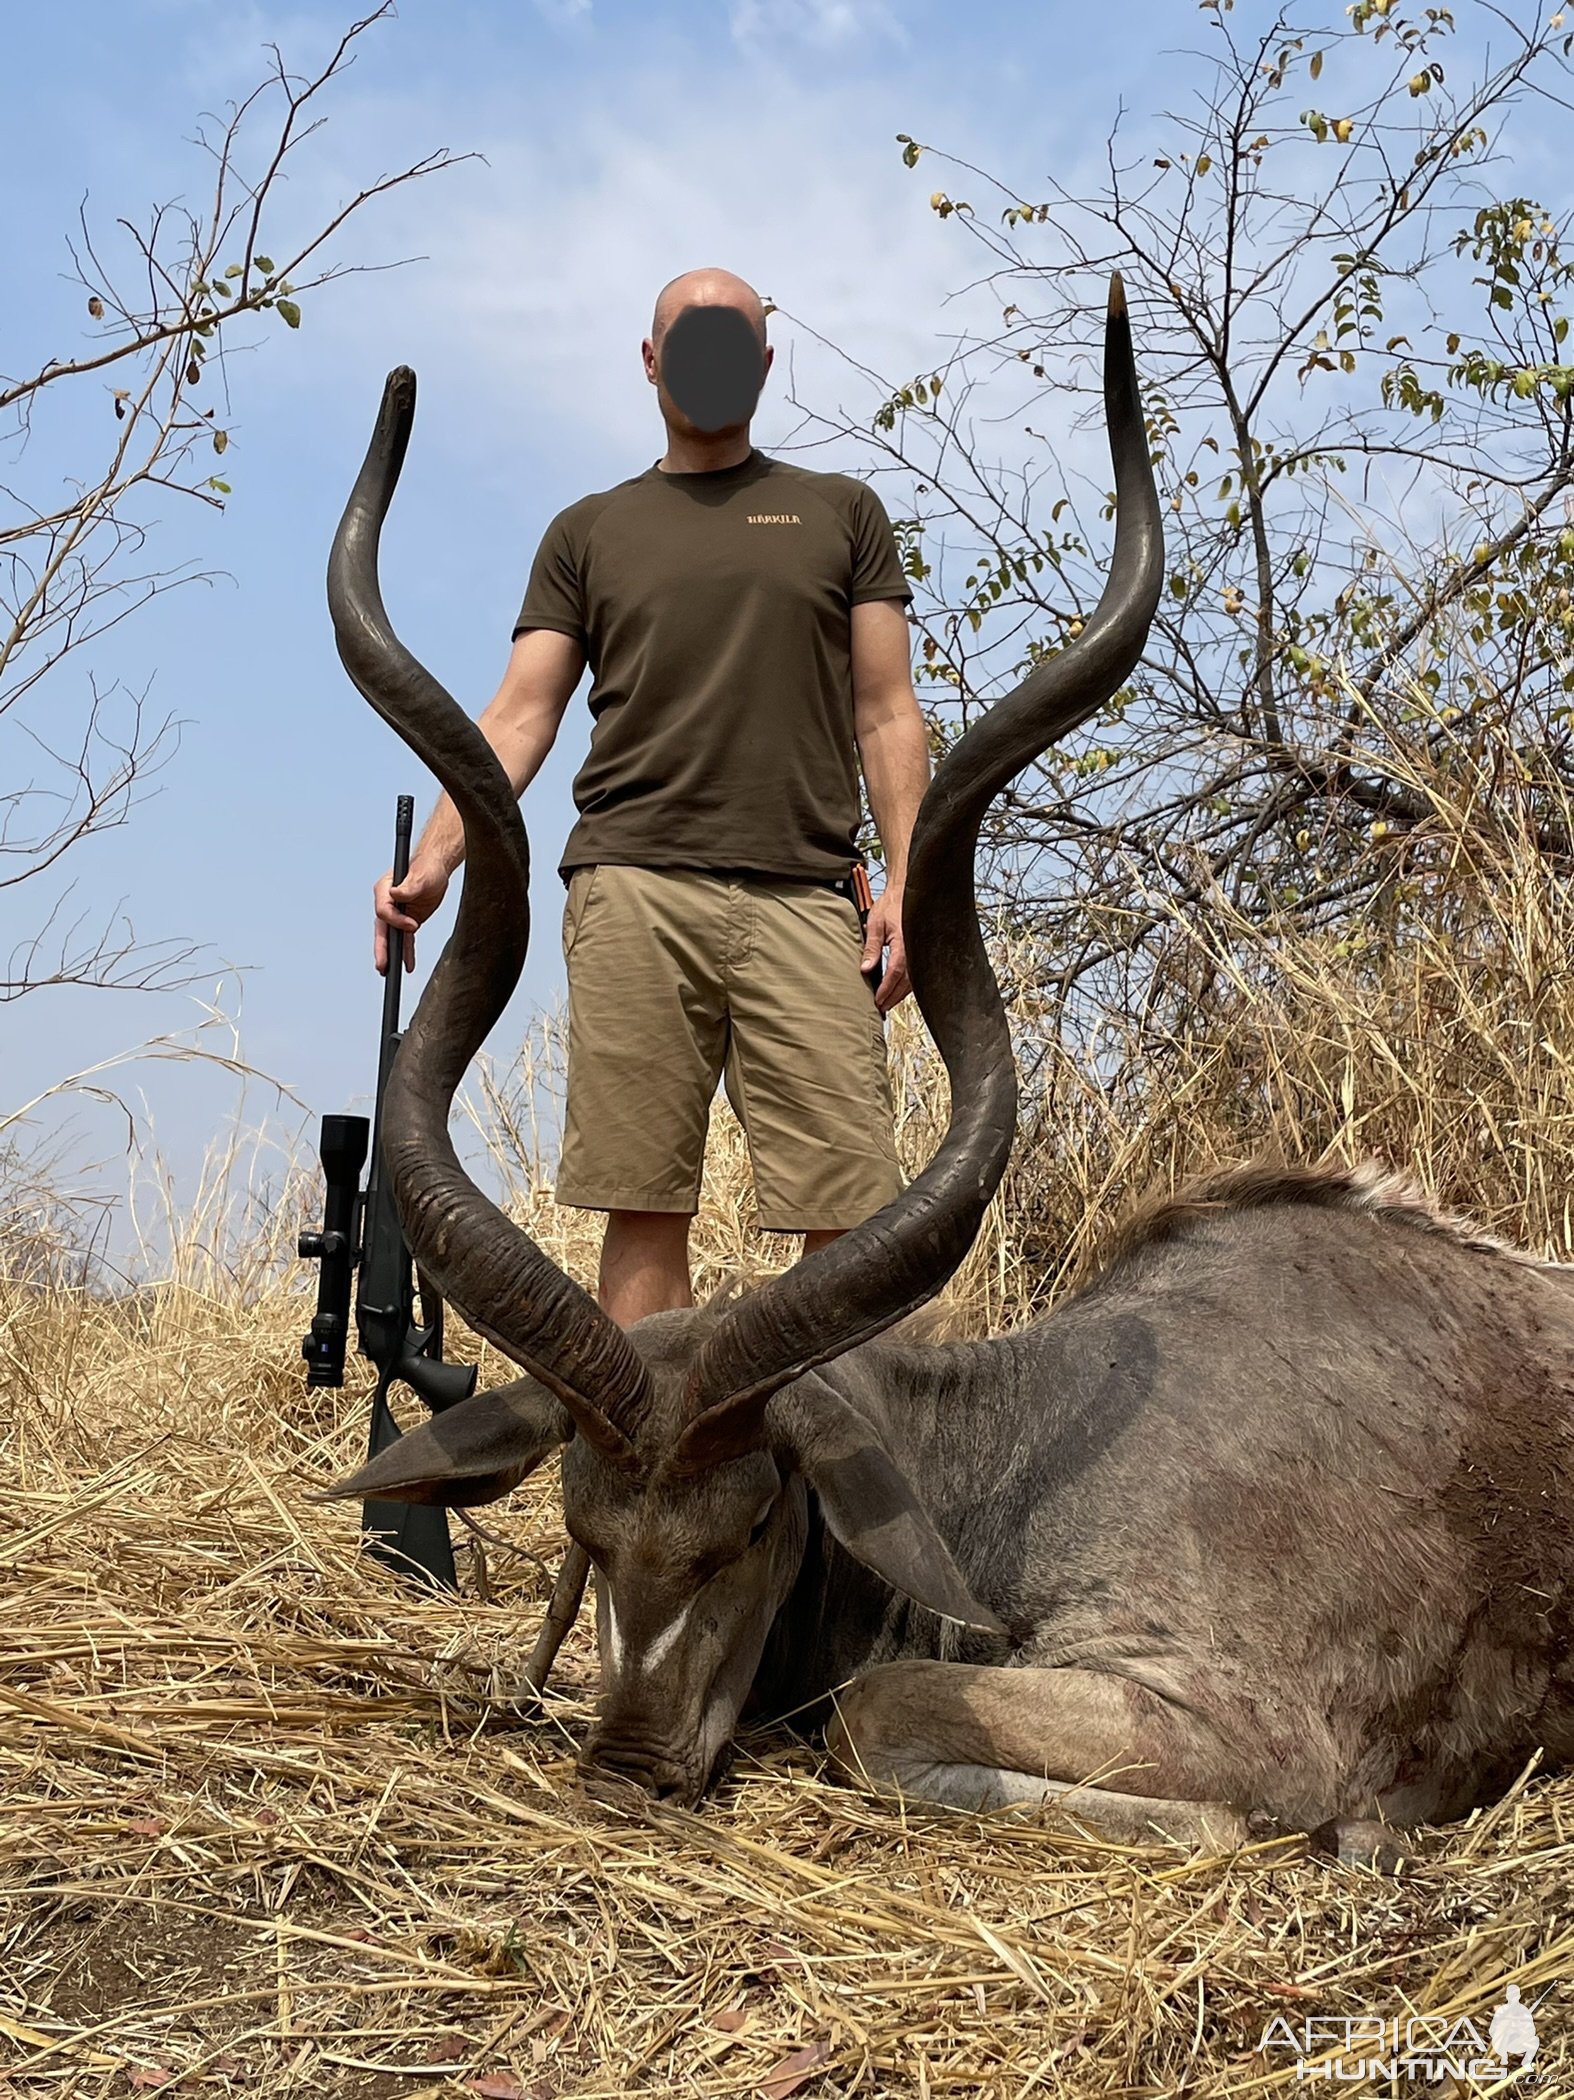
520, 723
893, 749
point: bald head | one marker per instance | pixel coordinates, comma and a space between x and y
706, 288
707, 357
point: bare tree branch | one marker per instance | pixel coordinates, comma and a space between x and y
71, 563
1352, 336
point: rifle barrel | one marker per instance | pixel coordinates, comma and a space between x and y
404, 825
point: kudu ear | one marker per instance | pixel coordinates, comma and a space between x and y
869, 1505
470, 1453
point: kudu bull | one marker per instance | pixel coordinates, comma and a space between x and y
1270, 1527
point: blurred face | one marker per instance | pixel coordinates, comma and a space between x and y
710, 368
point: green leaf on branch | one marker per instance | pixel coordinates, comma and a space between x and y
289, 312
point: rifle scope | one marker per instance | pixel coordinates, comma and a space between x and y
342, 1150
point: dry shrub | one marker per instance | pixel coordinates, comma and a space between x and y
276, 1825
1434, 1030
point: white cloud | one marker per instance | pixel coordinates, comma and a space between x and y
538, 264
543, 264
822, 24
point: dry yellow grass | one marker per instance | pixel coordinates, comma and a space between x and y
272, 1822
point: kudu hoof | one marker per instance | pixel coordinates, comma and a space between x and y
1360, 1841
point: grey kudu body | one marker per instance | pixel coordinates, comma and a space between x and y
1274, 1520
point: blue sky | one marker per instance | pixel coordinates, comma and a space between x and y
622, 142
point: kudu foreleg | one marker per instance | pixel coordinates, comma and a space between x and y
1102, 1751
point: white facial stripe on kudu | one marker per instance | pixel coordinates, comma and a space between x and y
659, 1648
666, 1640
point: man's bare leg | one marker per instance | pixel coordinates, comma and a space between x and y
644, 1264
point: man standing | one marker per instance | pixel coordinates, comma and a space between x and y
744, 624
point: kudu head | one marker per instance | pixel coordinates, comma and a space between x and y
692, 1443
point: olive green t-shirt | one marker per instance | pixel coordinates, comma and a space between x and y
715, 613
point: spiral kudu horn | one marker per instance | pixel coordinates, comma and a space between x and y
901, 1256
506, 1287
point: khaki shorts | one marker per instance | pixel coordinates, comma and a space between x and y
677, 978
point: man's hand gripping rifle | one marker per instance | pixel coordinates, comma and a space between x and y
361, 1237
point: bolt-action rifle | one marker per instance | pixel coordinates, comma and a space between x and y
362, 1238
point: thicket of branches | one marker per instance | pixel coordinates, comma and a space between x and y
1351, 325
166, 298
